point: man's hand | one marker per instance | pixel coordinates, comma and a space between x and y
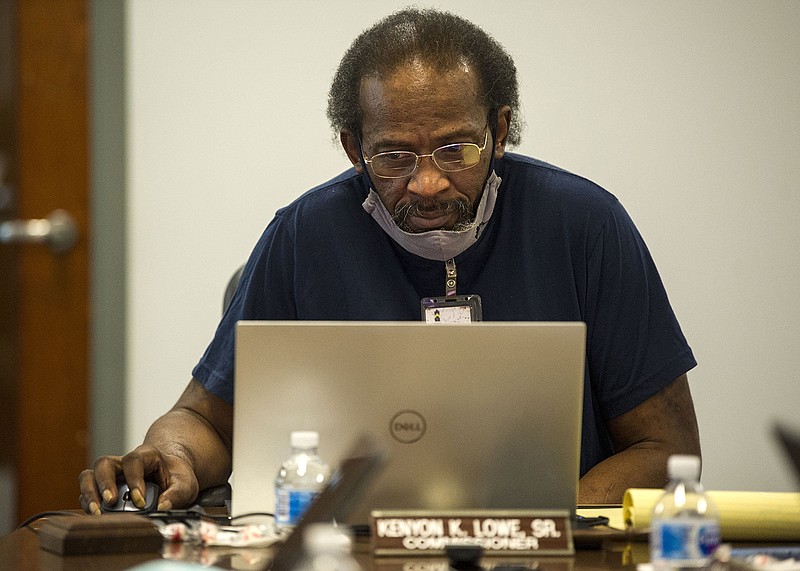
185, 451
174, 475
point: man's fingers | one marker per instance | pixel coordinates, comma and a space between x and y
144, 463
134, 470
178, 483
87, 506
164, 505
107, 471
181, 492
90, 498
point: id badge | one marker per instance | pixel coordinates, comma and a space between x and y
457, 309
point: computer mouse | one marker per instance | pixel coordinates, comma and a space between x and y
125, 502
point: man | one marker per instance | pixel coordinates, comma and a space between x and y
425, 104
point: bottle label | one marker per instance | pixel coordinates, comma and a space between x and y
291, 504
685, 539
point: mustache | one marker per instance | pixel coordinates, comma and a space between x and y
426, 205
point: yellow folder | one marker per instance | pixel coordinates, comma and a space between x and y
744, 516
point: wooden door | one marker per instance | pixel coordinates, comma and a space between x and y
44, 305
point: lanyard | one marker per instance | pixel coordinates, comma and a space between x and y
451, 308
450, 278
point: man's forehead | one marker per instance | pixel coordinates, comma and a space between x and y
421, 94
417, 78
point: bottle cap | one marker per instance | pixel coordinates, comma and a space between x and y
683, 467
304, 439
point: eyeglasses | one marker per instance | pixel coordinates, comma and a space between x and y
448, 158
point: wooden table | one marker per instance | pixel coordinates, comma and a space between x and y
599, 550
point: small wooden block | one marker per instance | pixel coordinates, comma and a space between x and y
113, 533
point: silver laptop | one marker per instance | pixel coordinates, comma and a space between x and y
476, 416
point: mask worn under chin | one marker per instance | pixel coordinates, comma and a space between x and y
437, 245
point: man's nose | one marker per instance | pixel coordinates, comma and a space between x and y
427, 180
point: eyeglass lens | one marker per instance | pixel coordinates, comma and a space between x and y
451, 158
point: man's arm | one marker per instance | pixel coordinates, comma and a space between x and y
185, 451
644, 437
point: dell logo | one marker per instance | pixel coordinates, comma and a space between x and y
407, 426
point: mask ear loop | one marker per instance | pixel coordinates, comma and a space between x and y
364, 169
493, 130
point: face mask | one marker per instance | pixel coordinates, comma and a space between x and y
437, 245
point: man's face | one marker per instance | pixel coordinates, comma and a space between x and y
420, 109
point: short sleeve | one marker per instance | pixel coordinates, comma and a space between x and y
264, 292
635, 346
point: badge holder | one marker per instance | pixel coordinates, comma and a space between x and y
451, 308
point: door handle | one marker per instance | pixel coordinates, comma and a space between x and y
59, 231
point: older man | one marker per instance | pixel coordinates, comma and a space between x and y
425, 104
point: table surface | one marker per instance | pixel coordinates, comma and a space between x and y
597, 549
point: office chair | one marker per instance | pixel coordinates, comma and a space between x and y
233, 282
789, 439
216, 496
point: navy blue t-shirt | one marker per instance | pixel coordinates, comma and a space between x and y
557, 248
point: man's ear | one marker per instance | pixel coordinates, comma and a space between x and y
350, 146
503, 122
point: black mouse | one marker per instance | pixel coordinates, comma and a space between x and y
125, 502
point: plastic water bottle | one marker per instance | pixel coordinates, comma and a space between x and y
299, 480
684, 532
328, 548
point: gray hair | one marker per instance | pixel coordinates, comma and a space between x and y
440, 39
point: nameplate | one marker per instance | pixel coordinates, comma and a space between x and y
498, 532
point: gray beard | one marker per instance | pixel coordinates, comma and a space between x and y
465, 214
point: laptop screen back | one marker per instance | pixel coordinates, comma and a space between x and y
477, 416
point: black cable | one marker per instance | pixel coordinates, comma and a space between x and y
172, 515
585, 522
252, 514
41, 515
197, 513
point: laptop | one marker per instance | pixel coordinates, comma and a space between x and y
472, 416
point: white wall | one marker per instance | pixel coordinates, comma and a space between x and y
688, 111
